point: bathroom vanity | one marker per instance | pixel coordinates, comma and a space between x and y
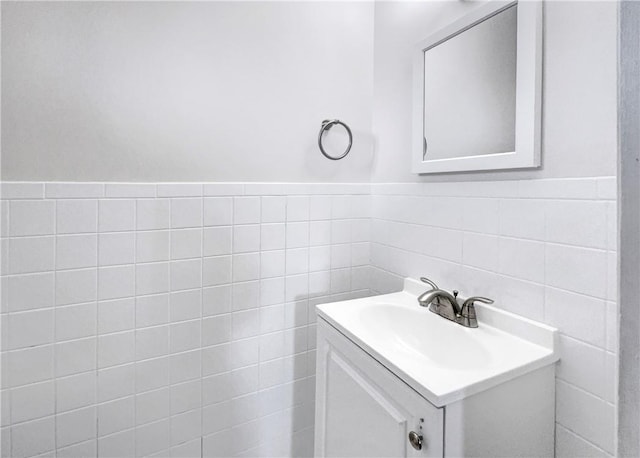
395, 380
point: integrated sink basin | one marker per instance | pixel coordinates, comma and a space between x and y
438, 358
417, 335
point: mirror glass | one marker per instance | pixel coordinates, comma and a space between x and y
470, 90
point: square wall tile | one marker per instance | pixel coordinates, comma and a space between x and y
573, 222
272, 263
319, 208
297, 234
185, 274
76, 426
577, 316
274, 209
35, 217
75, 391
152, 437
29, 365
31, 254
152, 342
75, 356
34, 437
75, 321
246, 210
31, 328
116, 282
152, 406
185, 366
76, 216
116, 215
32, 402
481, 215
216, 330
116, 416
186, 243
152, 278
586, 414
576, 269
186, 396
272, 236
480, 251
246, 295
185, 305
521, 258
115, 349
246, 267
116, 382
246, 238
216, 270
116, 248
185, 427
152, 246
297, 208
152, 374
582, 365
153, 214
217, 241
319, 233
216, 300
152, 310
76, 286
272, 291
76, 251
186, 212
218, 211
522, 218
184, 336
297, 261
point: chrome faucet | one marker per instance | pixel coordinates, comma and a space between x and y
446, 305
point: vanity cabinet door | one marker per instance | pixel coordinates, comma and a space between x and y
363, 410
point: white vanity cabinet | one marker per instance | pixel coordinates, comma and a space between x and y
364, 410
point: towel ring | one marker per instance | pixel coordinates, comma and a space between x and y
326, 125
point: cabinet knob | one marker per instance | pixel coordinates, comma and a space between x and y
416, 440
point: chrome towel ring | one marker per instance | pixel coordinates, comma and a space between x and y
326, 125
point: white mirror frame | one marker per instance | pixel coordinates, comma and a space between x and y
528, 93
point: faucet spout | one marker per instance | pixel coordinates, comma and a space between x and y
441, 302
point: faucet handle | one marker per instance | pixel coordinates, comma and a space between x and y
468, 316
429, 282
471, 300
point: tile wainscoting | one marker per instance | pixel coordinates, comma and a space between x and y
544, 249
177, 319
170, 319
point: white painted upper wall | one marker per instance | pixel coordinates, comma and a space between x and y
184, 91
236, 91
579, 88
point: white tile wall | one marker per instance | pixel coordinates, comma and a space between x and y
541, 248
170, 319
139, 319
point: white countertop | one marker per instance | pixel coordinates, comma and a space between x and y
440, 359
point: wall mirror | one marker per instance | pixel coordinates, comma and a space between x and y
477, 91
